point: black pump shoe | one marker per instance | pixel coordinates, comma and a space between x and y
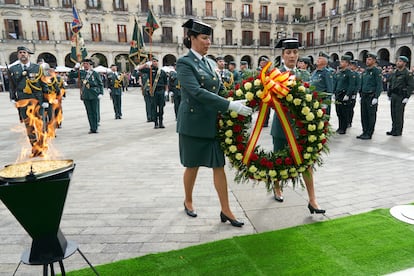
189, 212
315, 210
233, 222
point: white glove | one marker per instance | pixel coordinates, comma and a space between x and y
148, 63
346, 97
109, 90
240, 107
166, 93
333, 97
13, 102
374, 101
171, 94
45, 105
77, 65
405, 100
389, 98
353, 97
100, 96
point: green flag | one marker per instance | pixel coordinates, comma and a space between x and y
78, 50
137, 54
151, 24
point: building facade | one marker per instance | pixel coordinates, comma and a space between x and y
242, 29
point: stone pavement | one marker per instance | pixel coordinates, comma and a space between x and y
126, 194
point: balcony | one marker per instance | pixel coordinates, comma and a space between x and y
189, 13
282, 18
349, 8
210, 14
335, 12
229, 15
265, 18
163, 11
247, 17
366, 5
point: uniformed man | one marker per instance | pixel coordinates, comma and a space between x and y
322, 79
53, 95
304, 63
401, 87
244, 70
175, 89
371, 87
26, 92
232, 69
343, 90
156, 82
357, 87
91, 91
115, 80
225, 75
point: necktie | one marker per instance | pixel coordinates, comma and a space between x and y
24, 67
205, 62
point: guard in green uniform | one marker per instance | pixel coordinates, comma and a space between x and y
343, 90
152, 73
401, 87
26, 91
244, 71
235, 73
357, 87
115, 80
371, 87
91, 91
175, 90
322, 79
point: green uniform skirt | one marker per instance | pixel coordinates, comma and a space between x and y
200, 152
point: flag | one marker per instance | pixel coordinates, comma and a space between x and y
78, 51
151, 24
76, 22
137, 54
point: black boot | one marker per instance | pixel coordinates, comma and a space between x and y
156, 123
161, 124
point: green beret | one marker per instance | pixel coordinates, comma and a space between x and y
24, 48
243, 62
346, 57
372, 55
403, 58
306, 60
323, 54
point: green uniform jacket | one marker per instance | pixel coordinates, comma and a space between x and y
401, 83
322, 80
115, 83
344, 83
200, 104
91, 87
371, 81
18, 80
357, 82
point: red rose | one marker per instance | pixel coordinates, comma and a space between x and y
239, 138
237, 86
263, 161
323, 141
288, 161
306, 84
315, 95
279, 161
254, 157
269, 165
253, 103
231, 93
240, 117
240, 147
299, 123
237, 128
303, 132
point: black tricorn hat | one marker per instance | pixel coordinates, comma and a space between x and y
88, 60
24, 48
288, 43
197, 27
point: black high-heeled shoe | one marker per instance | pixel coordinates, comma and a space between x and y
233, 222
189, 212
315, 210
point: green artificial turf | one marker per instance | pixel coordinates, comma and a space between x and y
372, 243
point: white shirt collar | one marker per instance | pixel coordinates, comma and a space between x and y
196, 54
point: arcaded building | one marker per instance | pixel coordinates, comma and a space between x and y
243, 29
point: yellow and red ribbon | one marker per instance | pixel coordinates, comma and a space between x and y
274, 87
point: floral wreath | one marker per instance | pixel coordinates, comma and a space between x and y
303, 118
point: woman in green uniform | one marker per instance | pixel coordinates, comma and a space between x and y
197, 117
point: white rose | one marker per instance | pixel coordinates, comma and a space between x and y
249, 96
305, 110
233, 114
239, 156
229, 123
302, 89
248, 86
316, 104
308, 97
252, 169
310, 117
257, 82
272, 173
228, 141
289, 98
239, 92
297, 101
233, 149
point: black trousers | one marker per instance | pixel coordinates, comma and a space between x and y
158, 107
397, 114
368, 114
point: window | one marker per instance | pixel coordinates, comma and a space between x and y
209, 8
264, 14
247, 10
13, 29
67, 3
39, 2
228, 12
122, 34
349, 32
384, 26
93, 4
322, 37
11, 2
264, 39
323, 10
167, 6
281, 14
42, 30
349, 5
229, 37
406, 19
311, 13
188, 7
167, 35
247, 38
119, 5
309, 39
365, 30
335, 34
96, 32
68, 30
298, 37
144, 6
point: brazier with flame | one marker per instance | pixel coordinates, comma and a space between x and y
35, 193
